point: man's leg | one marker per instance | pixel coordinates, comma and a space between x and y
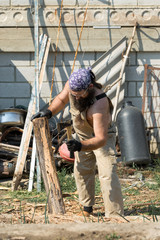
84, 172
110, 185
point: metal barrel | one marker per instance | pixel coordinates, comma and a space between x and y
132, 136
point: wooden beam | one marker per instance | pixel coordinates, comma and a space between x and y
47, 165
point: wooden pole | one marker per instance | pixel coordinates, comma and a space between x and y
28, 127
47, 165
144, 88
36, 40
54, 66
32, 166
121, 73
42, 45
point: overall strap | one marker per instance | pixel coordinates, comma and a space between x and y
102, 95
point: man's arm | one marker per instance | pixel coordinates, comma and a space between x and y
60, 100
57, 104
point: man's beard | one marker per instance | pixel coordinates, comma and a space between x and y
83, 103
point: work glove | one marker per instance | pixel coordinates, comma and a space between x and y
74, 145
46, 113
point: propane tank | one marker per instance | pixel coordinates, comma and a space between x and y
132, 135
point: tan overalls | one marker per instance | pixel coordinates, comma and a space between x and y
85, 164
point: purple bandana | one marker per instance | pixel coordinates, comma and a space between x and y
80, 79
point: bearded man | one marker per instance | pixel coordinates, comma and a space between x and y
91, 112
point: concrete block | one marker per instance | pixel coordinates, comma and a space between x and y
136, 101
155, 134
82, 2
134, 73
58, 2
46, 88
152, 104
155, 148
7, 74
152, 120
61, 74
150, 58
148, 3
122, 2
151, 91
14, 59
43, 102
14, 90
4, 3
98, 55
140, 89
6, 103
25, 74
94, 3
51, 58
82, 60
24, 2
131, 89
132, 60
126, 89
93, 40
22, 101
108, 3
76, 2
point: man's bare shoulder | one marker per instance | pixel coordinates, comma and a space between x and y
66, 87
65, 90
100, 106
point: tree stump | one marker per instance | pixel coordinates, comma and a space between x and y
47, 166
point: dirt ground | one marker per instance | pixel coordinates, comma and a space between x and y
82, 231
26, 219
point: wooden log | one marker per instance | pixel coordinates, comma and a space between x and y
47, 165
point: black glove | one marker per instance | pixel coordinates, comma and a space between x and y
46, 113
74, 145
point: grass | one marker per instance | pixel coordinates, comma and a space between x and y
97, 186
67, 181
31, 197
112, 236
134, 194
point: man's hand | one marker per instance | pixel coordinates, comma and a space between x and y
46, 113
74, 145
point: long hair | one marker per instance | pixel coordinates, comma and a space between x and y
99, 86
93, 80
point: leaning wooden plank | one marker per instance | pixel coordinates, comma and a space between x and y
47, 165
11, 148
36, 43
32, 167
28, 127
125, 57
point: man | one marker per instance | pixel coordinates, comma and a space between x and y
95, 143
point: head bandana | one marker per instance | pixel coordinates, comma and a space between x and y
80, 79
